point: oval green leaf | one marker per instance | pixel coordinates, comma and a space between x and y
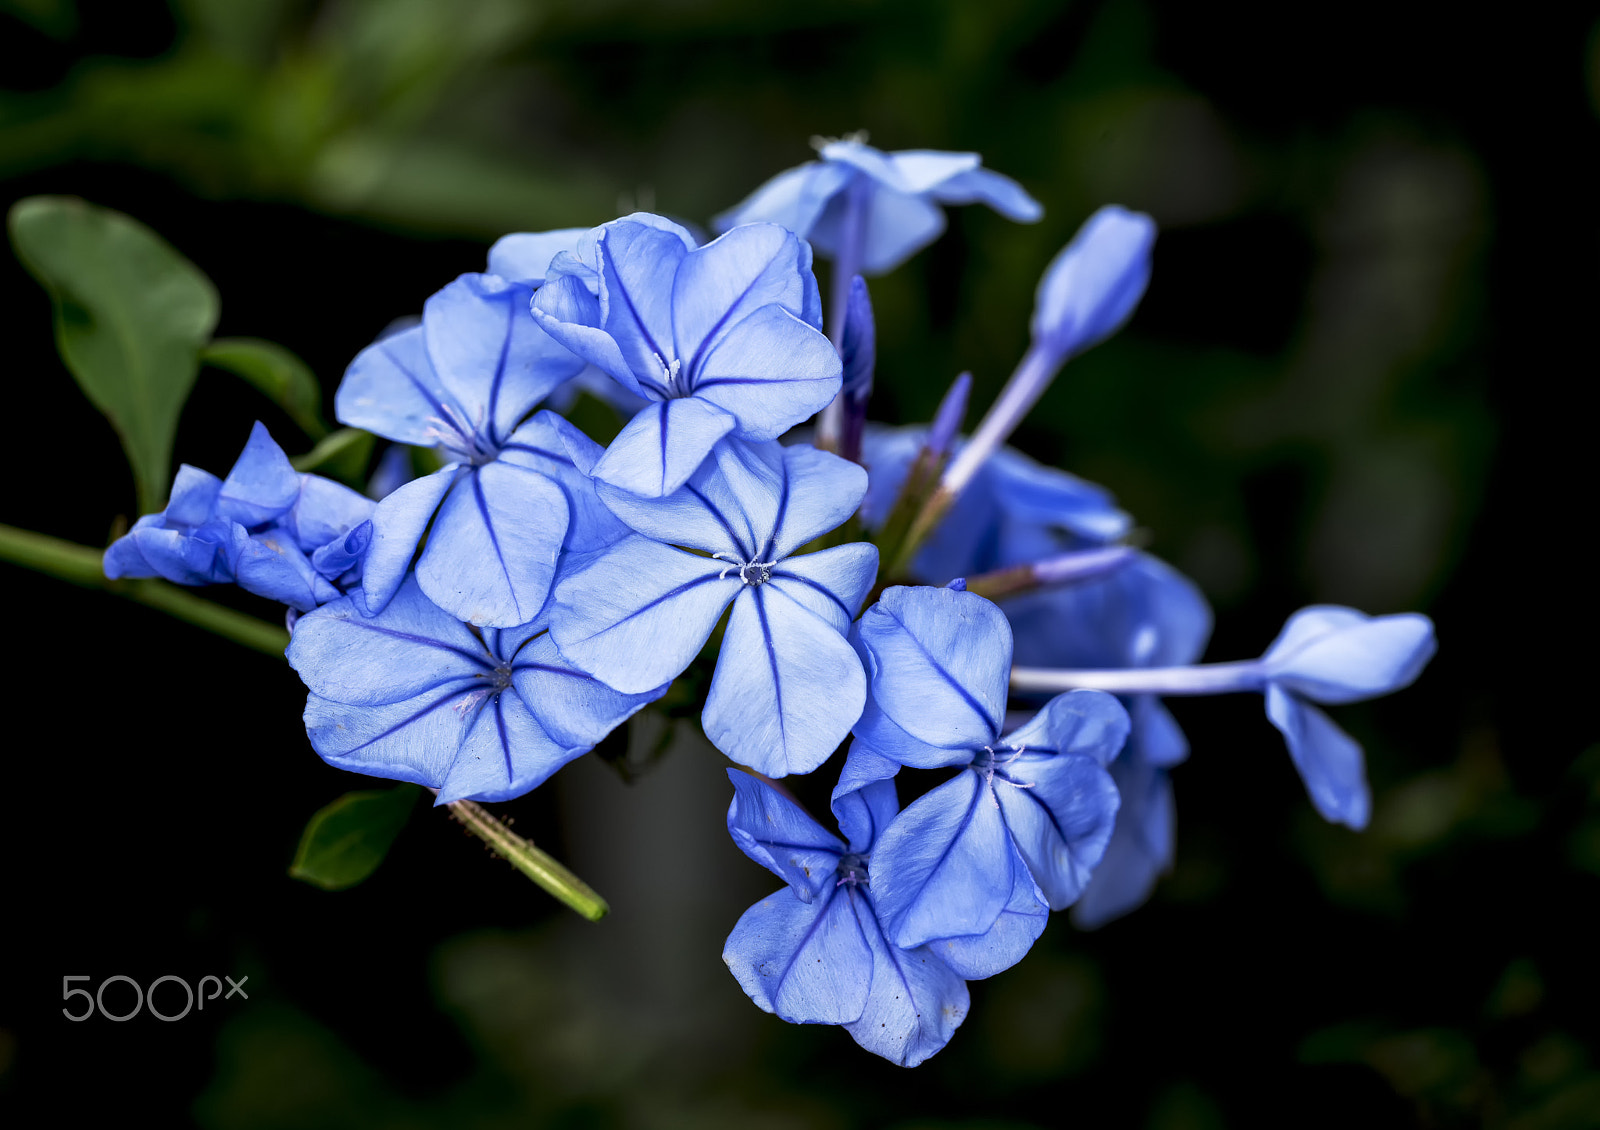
345, 841
131, 316
277, 373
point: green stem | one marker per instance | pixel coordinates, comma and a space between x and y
532, 862
81, 565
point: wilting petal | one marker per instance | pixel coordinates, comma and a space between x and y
412, 740
831, 582
781, 836
943, 868
941, 661
411, 647
575, 709
492, 552
730, 278
194, 498
1060, 809
262, 485
977, 956
1329, 760
807, 962
269, 564
824, 490
391, 389
787, 688
398, 523
637, 615
325, 510
771, 370
916, 1003
657, 451
1332, 655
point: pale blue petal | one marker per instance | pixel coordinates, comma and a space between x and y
390, 389
915, 1005
794, 198
925, 170
864, 808
1088, 723
941, 662
898, 226
638, 263
807, 962
638, 614
878, 731
1061, 809
874, 162
1141, 848
1334, 655
729, 505
1329, 760
771, 370
781, 836
505, 754
976, 956
943, 868
830, 583
525, 256
657, 451
198, 558
490, 354
574, 708
325, 510
262, 485
548, 444
491, 554
269, 564
415, 739
985, 186
570, 314
409, 648
823, 491
787, 687
398, 523
1156, 738
726, 281
194, 498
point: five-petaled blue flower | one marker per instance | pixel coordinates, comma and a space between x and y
723, 338
1035, 806
413, 694
787, 685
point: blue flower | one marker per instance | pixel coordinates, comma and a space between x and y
505, 506
1035, 802
787, 684
1325, 654
816, 952
876, 209
273, 531
413, 694
721, 338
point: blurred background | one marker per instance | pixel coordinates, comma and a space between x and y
1356, 378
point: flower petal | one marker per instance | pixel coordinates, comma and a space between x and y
409, 648
781, 836
635, 616
1092, 724
269, 564
823, 491
1060, 809
505, 754
793, 199
727, 506
657, 450
1141, 847
398, 523
570, 314
976, 956
807, 962
1329, 760
638, 263
986, 186
787, 688
548, 444
732, 277
412, 740
1332, 655
943, 868
525, 256
390, 389
915, 1005
491, 554
575, 709
262, 485
771, 370
831, 582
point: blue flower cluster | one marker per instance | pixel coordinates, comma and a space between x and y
483, 625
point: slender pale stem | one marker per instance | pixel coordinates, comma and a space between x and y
1204, 678
1032, 376
1065, 569
846, 266
82, 565
532, 862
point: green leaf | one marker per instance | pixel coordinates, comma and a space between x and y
131, 316
277, 373
344, 455
345, 842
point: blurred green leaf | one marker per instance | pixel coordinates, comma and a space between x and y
343, 455
279, 375
345, 841
55, 18
131, 316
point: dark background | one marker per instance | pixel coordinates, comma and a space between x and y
1356, 378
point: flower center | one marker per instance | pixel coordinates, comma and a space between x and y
750, 572
852, 870
673, 379
457, 435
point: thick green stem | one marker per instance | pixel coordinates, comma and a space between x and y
529, 860
81, 565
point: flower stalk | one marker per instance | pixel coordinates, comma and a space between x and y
529, 860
